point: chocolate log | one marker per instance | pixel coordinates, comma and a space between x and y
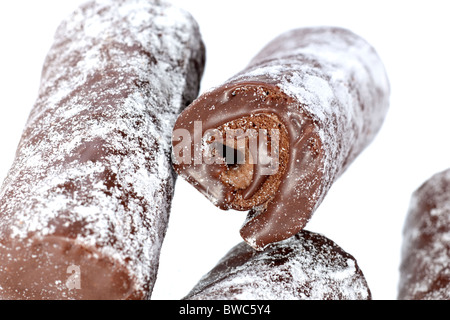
425, 261
84, 208
274, 138
307, 266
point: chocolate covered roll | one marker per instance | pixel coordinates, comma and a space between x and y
85, 206
425, 259
307, 266
273, 139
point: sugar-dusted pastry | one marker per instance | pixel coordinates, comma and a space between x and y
274, 138
425, 260
307, 266
85, 206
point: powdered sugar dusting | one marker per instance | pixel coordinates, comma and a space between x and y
96, 147
338, 79
425, 269
306, 267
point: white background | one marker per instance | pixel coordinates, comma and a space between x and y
365, 210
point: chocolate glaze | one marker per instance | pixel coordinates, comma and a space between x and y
328, 88
85, 206
308, 266
425, 261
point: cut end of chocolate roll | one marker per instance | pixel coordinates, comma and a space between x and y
246, 153
239, 155
319, 94
55, 268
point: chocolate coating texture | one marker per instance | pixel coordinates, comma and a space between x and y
327, 90
307, 266
88, 196
425, 261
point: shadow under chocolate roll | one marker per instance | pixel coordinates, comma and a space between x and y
85, 206
307, 266
274, 138
425, 262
